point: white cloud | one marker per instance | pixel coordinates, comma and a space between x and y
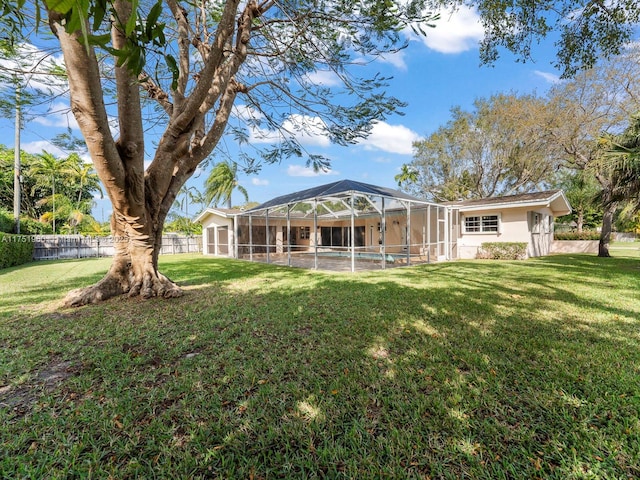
59, 115
455, 32
34, 66
259, 182
40, 146
300, 171
549, 77
396, 59
391, 138
262, 135
324, 77
309, 131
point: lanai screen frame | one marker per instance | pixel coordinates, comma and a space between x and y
381, 204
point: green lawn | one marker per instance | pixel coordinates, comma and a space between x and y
469, 369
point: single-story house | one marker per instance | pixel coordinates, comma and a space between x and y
368, 224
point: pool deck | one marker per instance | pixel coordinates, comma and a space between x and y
334, 264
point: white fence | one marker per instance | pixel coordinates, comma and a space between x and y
53, 247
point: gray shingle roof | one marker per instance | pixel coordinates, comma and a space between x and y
520, 198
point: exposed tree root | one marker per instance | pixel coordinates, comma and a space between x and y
148, 286
152, 285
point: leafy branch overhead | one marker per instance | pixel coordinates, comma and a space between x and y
284, 45
585, 30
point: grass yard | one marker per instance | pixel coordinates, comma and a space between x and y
469, 369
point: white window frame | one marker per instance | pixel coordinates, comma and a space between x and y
483, 229
305, 233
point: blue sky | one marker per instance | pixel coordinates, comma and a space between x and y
432, 75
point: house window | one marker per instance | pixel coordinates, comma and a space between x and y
482, 224
305, 233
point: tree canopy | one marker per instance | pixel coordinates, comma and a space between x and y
513, 143
496, 149
271, 62
595, 104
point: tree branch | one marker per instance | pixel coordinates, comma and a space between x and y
183, 116
131, 139
88, 106
188, 164
156, 93
180, 16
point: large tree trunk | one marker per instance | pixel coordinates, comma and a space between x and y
580, 221
607, 227
134, 270
138, 216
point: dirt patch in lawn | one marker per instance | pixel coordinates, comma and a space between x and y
21, 398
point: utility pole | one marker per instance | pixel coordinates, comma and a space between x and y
16, 163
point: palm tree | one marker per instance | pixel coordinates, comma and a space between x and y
45, 170
85, 180
71, 214
221, 182
582, 191
620, 166
408, 174
623, 156
189, 195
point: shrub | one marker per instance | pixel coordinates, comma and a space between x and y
6, 221
29, 226
503, 250
586, 235
15, 250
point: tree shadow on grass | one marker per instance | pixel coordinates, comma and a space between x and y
34, 289
464, 369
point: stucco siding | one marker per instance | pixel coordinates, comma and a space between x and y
514, 227
211, 228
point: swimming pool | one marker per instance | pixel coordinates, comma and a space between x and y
358, 255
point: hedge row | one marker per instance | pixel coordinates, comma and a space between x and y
503, 250
15, 250
586, 235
